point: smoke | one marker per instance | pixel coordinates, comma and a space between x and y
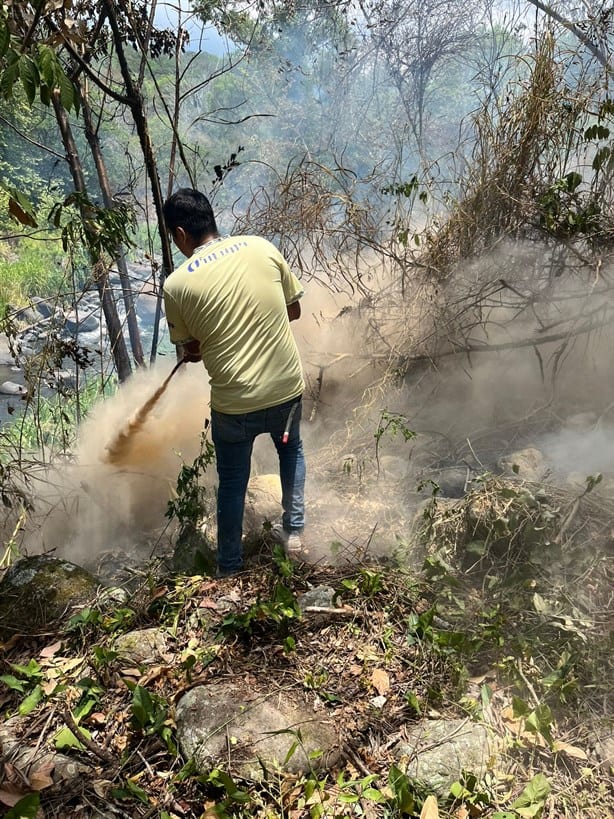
88, 505
466, 410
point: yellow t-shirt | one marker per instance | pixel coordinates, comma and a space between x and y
231, 296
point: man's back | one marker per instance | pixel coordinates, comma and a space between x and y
231, 296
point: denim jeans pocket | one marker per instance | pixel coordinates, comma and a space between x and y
228, 428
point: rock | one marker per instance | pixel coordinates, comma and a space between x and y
437, 751
34, 759
146, 306
11, 388
262, 502
42, 307
40, 592
452, 482
527, 464
81, 322
223, 724
393, 468
196, 550
602, 740
142, 646
320, 596
6, 358
67, 379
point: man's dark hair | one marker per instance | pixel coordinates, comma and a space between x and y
191, 210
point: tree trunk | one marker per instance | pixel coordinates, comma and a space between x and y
120, 259
137, 108
101, 276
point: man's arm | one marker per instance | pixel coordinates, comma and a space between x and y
191, 351
294, 310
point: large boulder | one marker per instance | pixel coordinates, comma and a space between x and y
142, 646
39, 592
262, 503
82, 322
253, 732
196, 551
527, 464
438, 751
12, 388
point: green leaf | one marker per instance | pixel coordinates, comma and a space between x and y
412, 700
45, 94
374, 795
142, 706
532, 799
5, 38
539, 721
26, 808
13, 682
476, 547
10, 74
400, 784
31, 701
571, 181
348, 798
66, 739
597, 132
131, 791
68, 97
29, 76
32, 669
519, 707
291, 751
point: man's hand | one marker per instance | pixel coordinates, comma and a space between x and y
191, 352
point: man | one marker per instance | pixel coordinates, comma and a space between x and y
231, 304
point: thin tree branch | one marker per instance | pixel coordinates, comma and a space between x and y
584, 39
32, 141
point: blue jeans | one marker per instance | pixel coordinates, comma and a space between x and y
233, 438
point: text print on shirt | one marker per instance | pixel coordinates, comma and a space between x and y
213, 257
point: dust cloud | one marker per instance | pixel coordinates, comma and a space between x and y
466, 410
86, 506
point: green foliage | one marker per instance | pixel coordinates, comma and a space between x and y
150, 715
567, 210
129, 791
367, 583
26, 808
90, 619
188, 506
38, 70
26, 680
30, 269
468, 791
532, 800
64, 739
98, 228
280, 611
402, 790
231, 795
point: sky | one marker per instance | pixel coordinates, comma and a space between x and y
201, 38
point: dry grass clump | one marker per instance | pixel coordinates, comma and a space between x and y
503, 524
496, 525
537, 560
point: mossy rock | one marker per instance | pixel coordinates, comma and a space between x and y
194, 552
40, 592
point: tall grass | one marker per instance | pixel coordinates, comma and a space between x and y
32, 268
49, 425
